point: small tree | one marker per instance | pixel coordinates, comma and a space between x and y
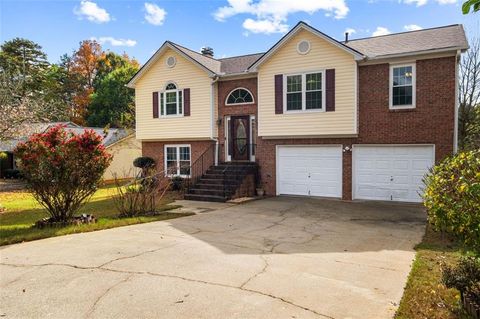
63, 169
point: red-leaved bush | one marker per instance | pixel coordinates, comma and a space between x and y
63, 169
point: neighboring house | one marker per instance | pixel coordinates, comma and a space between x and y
118, 142
359, 119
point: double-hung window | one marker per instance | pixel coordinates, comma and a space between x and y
177, 160
304, 92
402, 86
171, 101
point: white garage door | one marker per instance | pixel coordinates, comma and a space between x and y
390, 172
309, 170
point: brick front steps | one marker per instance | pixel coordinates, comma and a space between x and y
225, 181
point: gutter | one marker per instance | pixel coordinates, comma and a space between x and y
406, 54
212, 115
457, 103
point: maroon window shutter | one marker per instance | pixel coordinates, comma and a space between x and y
279, 94
330, 88
186, 102
155, 105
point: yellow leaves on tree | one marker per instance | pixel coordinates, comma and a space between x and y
84, 65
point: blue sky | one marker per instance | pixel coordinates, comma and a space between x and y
232, 27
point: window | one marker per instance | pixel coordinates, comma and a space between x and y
171, 101
239, 96
304, 92
402, 86
177, 160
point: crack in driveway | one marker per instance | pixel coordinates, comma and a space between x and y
132, 273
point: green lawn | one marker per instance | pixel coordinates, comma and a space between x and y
22, 211
425, 296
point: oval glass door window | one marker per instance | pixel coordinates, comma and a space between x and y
241, 135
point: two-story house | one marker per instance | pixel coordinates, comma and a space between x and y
358, 119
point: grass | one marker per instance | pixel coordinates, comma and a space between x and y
425, 296
22, 211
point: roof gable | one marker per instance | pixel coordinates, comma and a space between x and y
303, 26
209, 65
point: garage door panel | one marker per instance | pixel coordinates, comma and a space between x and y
401, 164
310, 170
396, 175
421, 164
382, 164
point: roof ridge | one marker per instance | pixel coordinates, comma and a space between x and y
403, 32
183, 47
239, 56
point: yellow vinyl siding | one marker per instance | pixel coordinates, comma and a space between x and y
323, 55
185, 74
123, 152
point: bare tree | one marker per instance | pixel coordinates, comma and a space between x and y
18, 112
469, 92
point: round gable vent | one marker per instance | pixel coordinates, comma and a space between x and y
171, 61
303, 47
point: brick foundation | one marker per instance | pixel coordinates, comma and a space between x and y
155, 150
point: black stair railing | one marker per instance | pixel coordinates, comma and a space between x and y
201, 165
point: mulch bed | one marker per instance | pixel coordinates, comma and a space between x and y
76, 220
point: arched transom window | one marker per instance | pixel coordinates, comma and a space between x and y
171, 100
239, 96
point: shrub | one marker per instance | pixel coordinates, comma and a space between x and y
12, 173
63, 169
177, 183
452, 197
463, 276
144, 162
140, 196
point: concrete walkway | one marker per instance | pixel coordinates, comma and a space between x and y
274, 258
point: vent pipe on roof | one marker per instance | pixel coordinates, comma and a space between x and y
346, 37
207, 51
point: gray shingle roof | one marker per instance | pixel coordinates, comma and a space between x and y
212, 64
238, 64
406, 43
110, 136
446, 37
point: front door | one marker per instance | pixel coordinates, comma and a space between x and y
240, 133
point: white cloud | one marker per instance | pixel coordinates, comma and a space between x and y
92, 12
271, 15
350, 30
116, 42
447, 1
380, 31
154, 14
412, 27
420, 3
264, 26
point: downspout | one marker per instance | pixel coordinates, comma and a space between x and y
457, 104
212, 115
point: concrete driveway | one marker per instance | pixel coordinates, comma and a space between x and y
275, 258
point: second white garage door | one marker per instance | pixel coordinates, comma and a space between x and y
392, 172
309, 170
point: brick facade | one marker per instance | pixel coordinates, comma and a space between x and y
224, 88
431, 122
155, 150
